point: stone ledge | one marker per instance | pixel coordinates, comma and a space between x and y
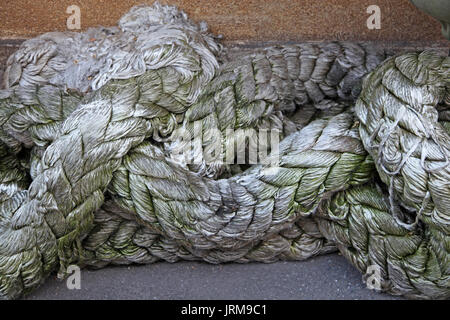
243, 20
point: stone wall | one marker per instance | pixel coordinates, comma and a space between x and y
243, 23
239, 20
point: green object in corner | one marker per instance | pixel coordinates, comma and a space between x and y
439, 9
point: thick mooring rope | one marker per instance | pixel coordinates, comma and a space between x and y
89, 123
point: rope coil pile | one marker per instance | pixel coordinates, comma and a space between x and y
87, 122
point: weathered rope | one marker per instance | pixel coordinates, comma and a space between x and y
413, 264
88, 132
400, 129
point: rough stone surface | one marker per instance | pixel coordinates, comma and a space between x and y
241, 21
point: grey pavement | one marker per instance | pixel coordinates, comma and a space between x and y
324, 277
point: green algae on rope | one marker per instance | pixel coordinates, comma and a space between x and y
96, 137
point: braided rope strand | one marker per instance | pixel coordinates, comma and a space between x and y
88, 133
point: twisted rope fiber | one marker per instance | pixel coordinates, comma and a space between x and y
95, 138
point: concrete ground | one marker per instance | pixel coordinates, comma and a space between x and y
324, 277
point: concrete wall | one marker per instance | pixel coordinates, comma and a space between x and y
243, 23
240, 21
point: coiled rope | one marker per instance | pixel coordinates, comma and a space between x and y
88, 125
